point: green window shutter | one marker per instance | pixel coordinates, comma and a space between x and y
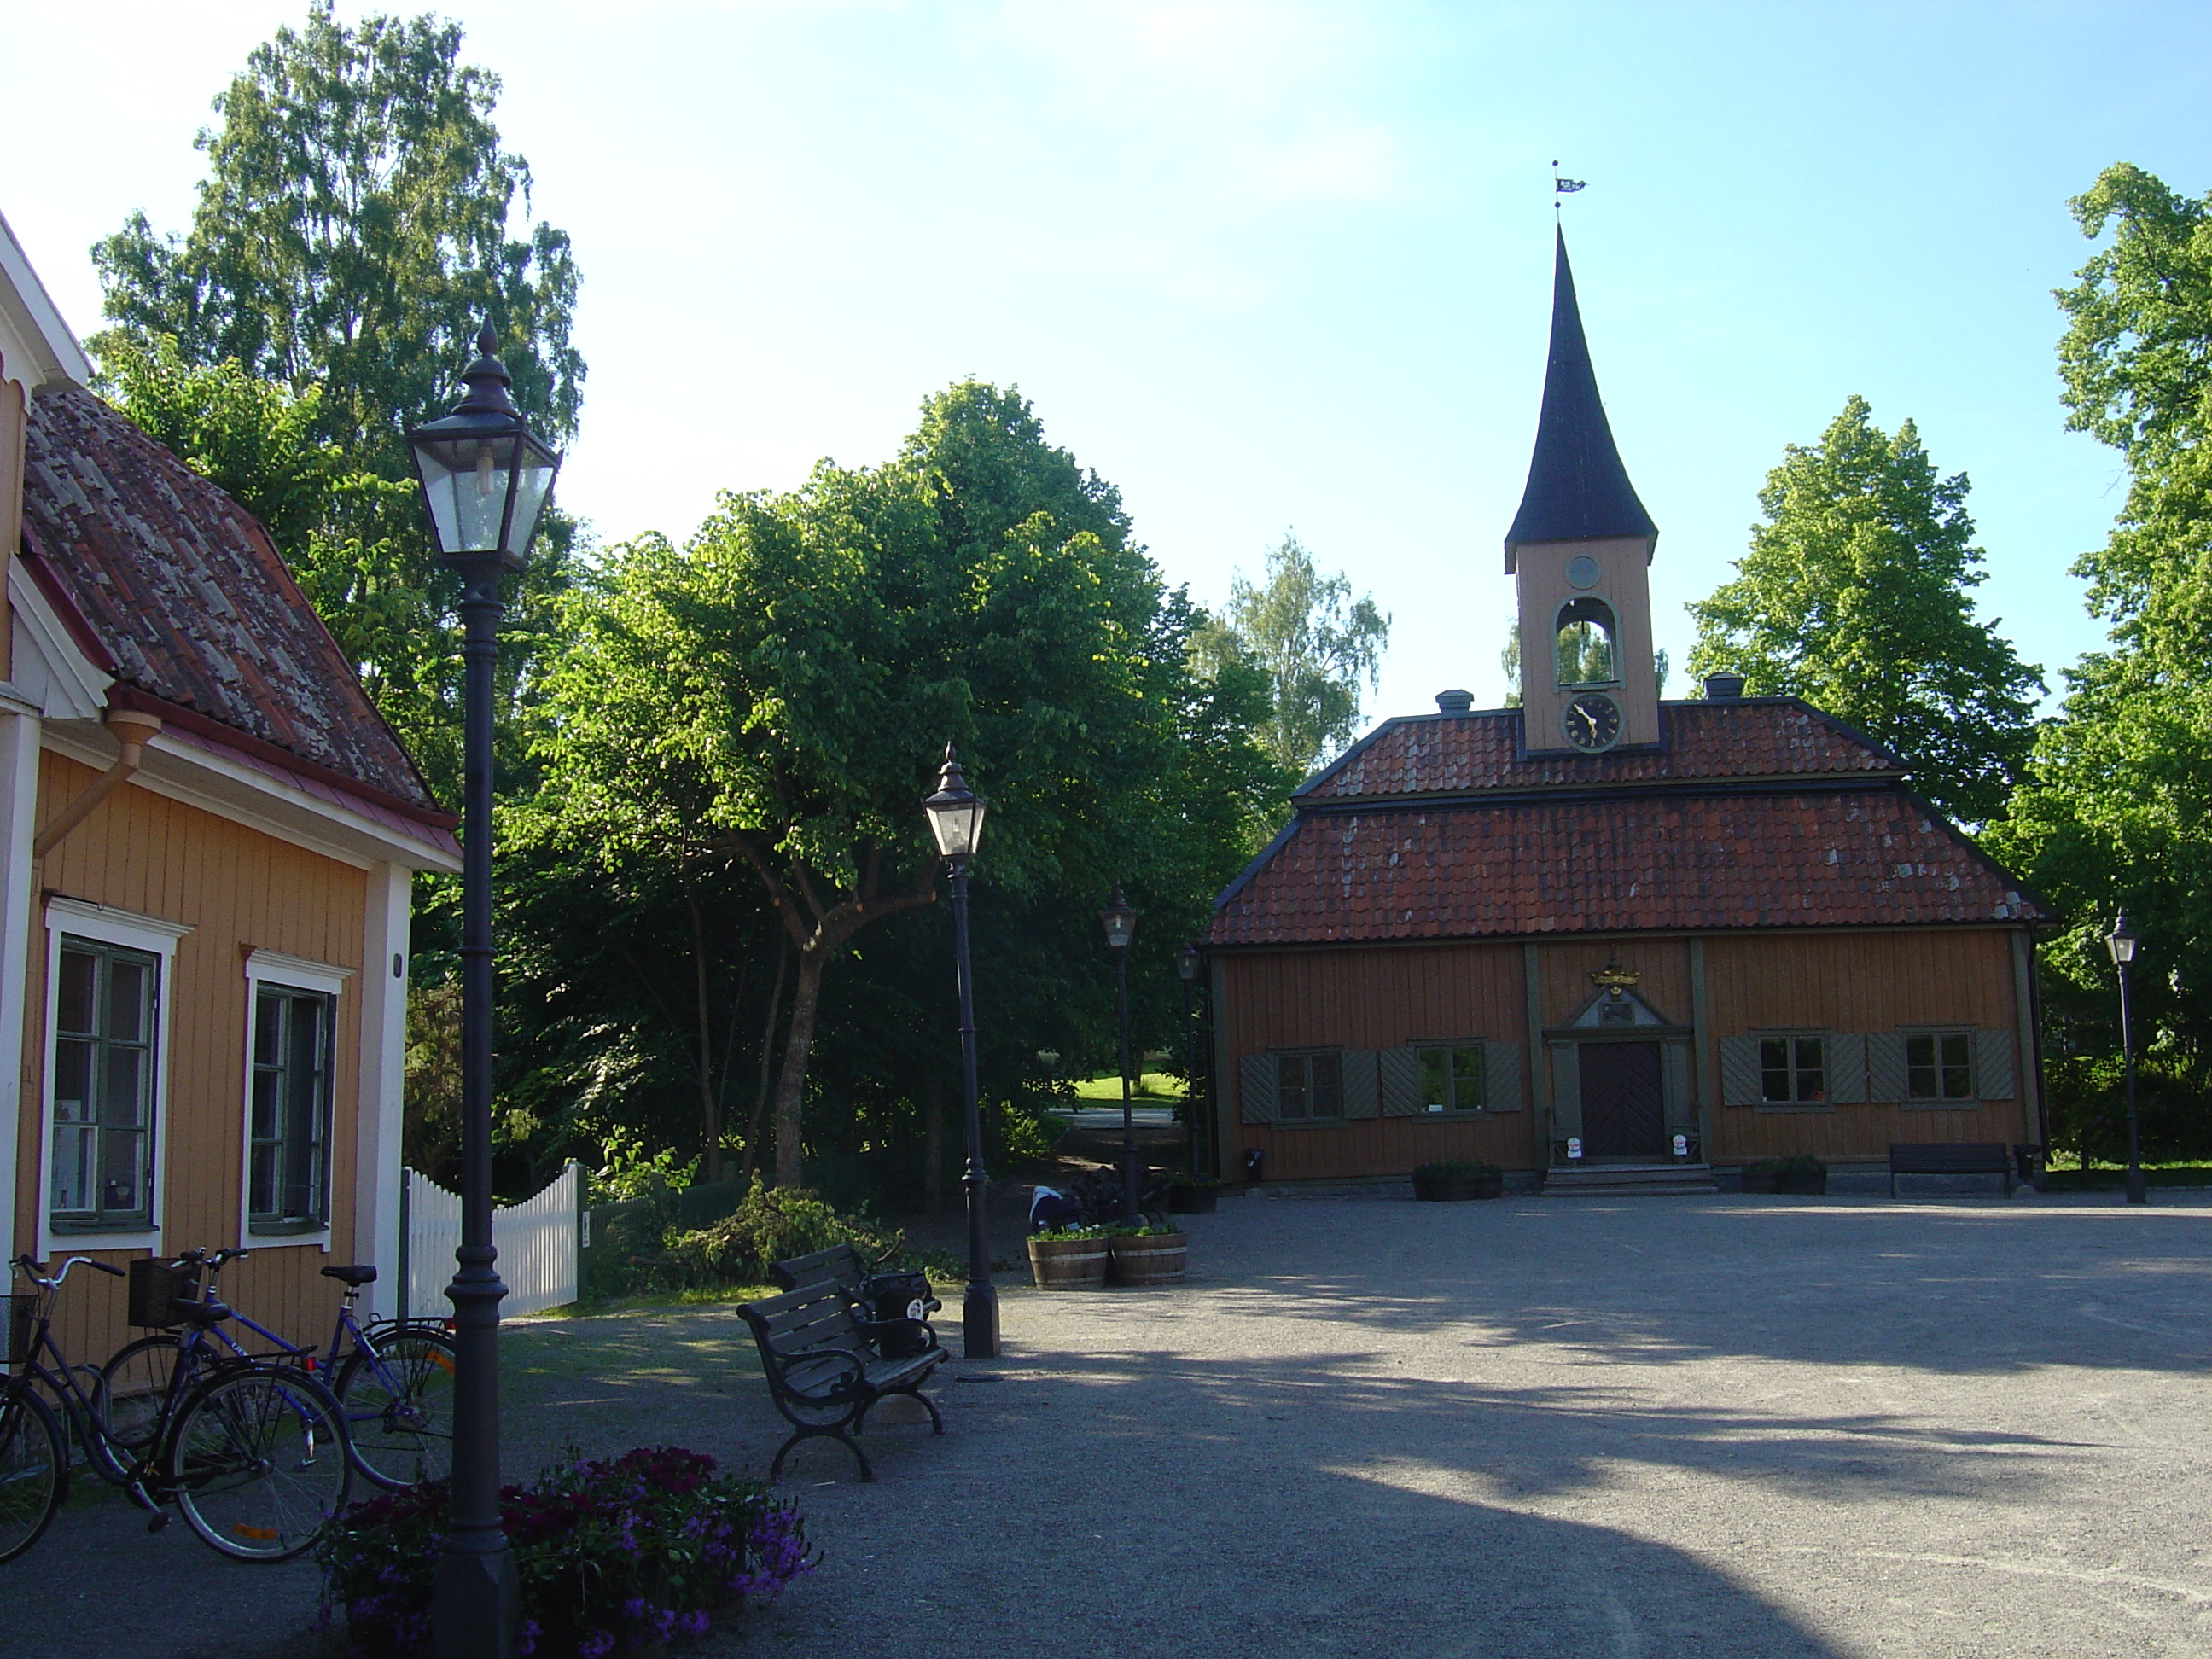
1566, 1090
1674, 1085
1739, 1084
1256, 1088
1993, 1078
1501, 1077
1847, 1067
1885, 1066
1362, 1095
1398, 1076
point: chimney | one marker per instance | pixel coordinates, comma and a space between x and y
1724, 688
1455, 703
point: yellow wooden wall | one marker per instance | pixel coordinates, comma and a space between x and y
240, 890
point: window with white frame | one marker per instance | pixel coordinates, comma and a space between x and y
106, 1009
288, 1116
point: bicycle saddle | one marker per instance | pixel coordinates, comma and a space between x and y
206, 1315
359, 1274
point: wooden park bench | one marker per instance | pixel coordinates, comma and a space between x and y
1946, 1157
825, 1368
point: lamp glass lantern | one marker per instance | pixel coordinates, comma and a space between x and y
2121, 942
955, 813
485, 477
1186, 963
1120, 922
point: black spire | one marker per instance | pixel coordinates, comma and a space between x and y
1577, 488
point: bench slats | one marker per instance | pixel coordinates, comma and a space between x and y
1944, 1157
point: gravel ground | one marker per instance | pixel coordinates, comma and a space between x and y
1571, 1427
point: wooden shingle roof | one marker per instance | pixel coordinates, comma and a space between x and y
177, 591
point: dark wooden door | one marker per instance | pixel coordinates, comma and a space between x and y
1623, 1112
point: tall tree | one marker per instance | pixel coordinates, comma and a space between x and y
357, 223
1316, 645
773, 697
2117, 813
1856, 595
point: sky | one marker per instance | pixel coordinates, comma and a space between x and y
1270, 266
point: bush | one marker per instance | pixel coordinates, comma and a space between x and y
774, 1224
613, 1556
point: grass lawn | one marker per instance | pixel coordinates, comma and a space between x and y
1153, 1088
2069, 1177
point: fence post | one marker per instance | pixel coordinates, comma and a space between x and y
406, 1254
583, 1225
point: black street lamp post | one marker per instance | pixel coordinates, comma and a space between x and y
1120, 922
1187, 961
2121, 942
485, 480
956, 822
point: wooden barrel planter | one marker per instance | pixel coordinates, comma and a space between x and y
1068, 1264
1451, 1188
1150, 1258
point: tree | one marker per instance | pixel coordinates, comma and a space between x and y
353, 232
1509, 661
1856, 595
2116, 811
773, 699
1316, 645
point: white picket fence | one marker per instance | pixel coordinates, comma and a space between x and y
536, 1240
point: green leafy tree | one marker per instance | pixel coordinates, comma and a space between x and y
2118, 812
1856, 595
1316, 645
772, 698
357, 223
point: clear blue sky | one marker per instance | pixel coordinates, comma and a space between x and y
1265, 266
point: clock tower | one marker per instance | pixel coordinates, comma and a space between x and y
1580, 551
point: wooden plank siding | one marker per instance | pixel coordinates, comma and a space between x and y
240, 890
1848, 981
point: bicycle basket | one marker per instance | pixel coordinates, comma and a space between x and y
23, 1325
154, 1286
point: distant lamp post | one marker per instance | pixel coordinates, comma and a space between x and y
2122, 942
1187, 962
485, 481
1120, 922
956, 823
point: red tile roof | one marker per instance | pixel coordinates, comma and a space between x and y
184, 598
1735, 739
1844, 857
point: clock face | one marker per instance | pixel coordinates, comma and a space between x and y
1592, 721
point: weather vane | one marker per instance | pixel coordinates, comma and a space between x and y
1562, 185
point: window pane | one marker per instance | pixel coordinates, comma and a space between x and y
72, 1080
264, 1104
1811, 1055
1467, 1078
1774, 1069
122, 1102
268, 1029
73, 995
1326, 1072
1920, 1068
72, 1169
1958, 1066
128, 982
1436, 1079
1290, 1087
121, 1178
263, 1201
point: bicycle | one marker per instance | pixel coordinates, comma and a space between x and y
242, 1449
395, 1384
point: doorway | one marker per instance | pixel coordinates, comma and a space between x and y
1623, 1108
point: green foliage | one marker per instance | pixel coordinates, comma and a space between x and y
632, 1172
353, 231
2118, 814
771, 1224
1856, 595
1314, 644
1585, 654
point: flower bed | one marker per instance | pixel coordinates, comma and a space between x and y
615, 1556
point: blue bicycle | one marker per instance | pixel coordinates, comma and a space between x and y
393, 1381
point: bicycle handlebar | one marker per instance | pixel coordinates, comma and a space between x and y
36, 1270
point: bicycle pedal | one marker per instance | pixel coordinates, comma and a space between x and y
158, 1522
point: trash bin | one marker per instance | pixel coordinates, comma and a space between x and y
1256, 1164
893, 1300
2030, 1159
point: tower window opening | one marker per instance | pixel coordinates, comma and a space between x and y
1584, 644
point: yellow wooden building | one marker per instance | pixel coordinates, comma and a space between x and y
208, 838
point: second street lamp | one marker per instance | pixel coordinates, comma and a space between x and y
1187, 961
956, 823
485, 480
2121, 942
1120, 922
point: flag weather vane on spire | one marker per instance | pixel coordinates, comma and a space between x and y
1562, 185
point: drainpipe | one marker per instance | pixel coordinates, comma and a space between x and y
133, 729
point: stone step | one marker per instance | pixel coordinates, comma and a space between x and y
1633, 1180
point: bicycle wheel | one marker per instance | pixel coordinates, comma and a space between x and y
398, 1401
133, 1387
33, 1471
257, 1462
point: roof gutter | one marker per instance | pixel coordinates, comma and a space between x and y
133, 730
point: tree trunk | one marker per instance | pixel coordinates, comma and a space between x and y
767, 1065
932, 1145
710, 1117
797, 1045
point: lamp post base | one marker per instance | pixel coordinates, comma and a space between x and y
979, 1320
476, 1603
2138, 1188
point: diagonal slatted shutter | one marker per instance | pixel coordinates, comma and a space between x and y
1847, 1068
1256, 1088
1740, 1081
1501, 1077
1885, 1066
1993, 1073
1398, 1073
1362, 1098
